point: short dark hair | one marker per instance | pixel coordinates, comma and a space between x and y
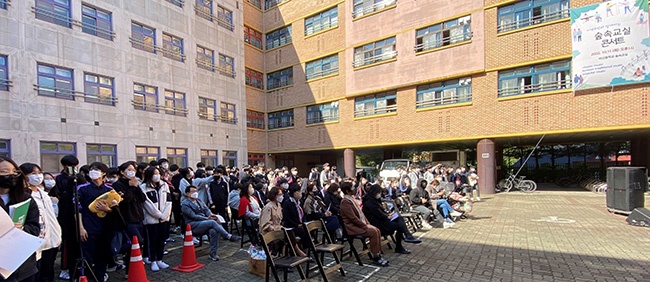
69, 160
125, 165
184, 171
188, 188
209, 167
346, 187
28, 168
153, 163
18, 192
293, 188
173, 167
332, 188
163, 160
99, 166
113, 171
273, 194
200, 164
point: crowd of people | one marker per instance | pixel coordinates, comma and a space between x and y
159, 199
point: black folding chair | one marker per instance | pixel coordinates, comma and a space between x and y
285, 260
319, 249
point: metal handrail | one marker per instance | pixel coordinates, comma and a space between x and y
272, 125
322, 73
322, 119
48, 13
539, 87
563, 13
443, 101
145, 106
177, 55
374, 7
199, 12
321, 27
205, 65
375, 111
374, 59
224, 118
279, 84
140, 44
224, 23
440, 43
207, 116
225, 71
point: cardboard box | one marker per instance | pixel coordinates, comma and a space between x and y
257, 267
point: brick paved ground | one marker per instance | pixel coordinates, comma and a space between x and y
544, 236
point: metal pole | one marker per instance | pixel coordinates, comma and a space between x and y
531, 153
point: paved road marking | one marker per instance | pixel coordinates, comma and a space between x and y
554, 219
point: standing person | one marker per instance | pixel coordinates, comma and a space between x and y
314, 177
50, 228
157, 211
189, 180
49, 183
200, 168
473, 183
95, 232
356, 224
218, 194
325, 175
176, 199
66, 184
333, 173
13, 191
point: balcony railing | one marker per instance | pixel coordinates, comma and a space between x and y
443, 42
376, 111
172, 54
533, 88
322, 73
202, 13
373, 8
271, 86
281, 124
145, 106
321, 26
5, 84
322, 119
226, 119
374, 59
205, 65
226, 71
54, 92
207, 116
559, 14
51, 16
225, 23
140, 44
443, 101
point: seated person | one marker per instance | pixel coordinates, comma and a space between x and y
420, 201
387, 224
293, 214
316, 209
271, 216
249, 210
441, 203
356, 224
202, 221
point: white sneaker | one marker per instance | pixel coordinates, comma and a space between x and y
146, 260
195, 241
65, 275
478, 199
446, 225
426, 226
105, 277
162, 264
154, 267
455, 214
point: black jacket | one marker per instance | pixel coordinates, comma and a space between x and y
290, 214
64, 191
219, 195
334, 203
376, 215
31, 226
132, 205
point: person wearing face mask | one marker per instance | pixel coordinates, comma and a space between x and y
249, 210
50, 228
203, 221
112, 176
157, 211
95, 232
50, 185
316, 209
209, 170
201, 183
387, 223
132, 204
218, 199
13, 191
293, 176
293, 216
163, 163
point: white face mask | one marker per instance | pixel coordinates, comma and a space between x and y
155, 178
49, 183
165, 166
378, 196
35, 179
191, 174
285, 185
209, 172
251, 191
194, 195
95, 174
280, 198
294, 173
111, 179
130, 174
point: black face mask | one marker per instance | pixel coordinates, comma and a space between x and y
9, 181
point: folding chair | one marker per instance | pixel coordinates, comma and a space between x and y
284, 261
364, 242
234, 215
319, 249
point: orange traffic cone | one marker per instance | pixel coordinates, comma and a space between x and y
136, 266
188, 262
83, 279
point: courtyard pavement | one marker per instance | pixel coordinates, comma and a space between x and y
543, 236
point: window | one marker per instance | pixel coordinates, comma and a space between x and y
254, 78
3, 4
284, 160
278, 37
323, 113
531, 12
99, 89
5, 148
4, 73
254, 159
226, 65
252, 37
204, 58
175, 103
364, 7
102, 153
177, 156
52, 152
178, 3
254, 119
375, 104
173, 47
55, 81
228, 113
322, 67
144, 154
224, 18
54, 11
268, 4
322, 21
371, 53
537, 78
256, 3
281, 119
203, 8
209, 157
229, 158
143, 37
279, 78
145, 97
207, 109
443, 34
442, 93
96, 22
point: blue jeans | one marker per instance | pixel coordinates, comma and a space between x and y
214, 229
445, 207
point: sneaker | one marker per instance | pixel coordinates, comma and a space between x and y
146, 260
105, 277
65, 275
205, 238
412, 240
166, 252
446, 225
196, 241
170, 239
448, 220
478, 199
162, 264
115, 268
234, 238
154, 266
402, 250
379, 260
214, 258
455, 214
426, 226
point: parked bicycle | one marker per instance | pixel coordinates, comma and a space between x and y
523, 185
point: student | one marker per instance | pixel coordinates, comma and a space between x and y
13, 191
315, 209
249, 209
293, 216
50, 228
157, 211
66, 184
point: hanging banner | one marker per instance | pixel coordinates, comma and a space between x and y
611, 44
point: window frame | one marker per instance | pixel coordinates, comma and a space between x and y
374, 52
276, 79
376, 99
173, 155
438, 32
101, 153
226, 65
147, 156
524, 13
362, 7
3, 4
46, 10
435, 94
255, 158
225, 18
4, 73
98, 99
58, 153
204, 10
95, 28
278, 37
331, 61
173, 98
145, 94
208, 159
255, 3
6, 151
145, 32
284, 160
207, 116
255, 119
322, 21
315, 113
173, 47
227, 156
275, 119
254, 78
57, 91
253, 36
201, 57
177, 3
227, 112
527, 78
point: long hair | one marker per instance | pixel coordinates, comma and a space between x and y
16, 193
148, 176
